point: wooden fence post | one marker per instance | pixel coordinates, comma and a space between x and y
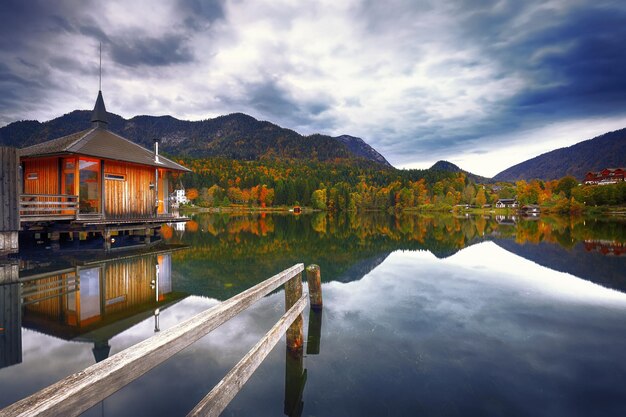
314, 281
295, 332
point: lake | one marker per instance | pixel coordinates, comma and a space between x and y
423, 315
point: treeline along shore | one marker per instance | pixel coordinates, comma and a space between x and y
360, 185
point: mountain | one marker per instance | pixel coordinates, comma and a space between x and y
236, 136
450, 167
359, 148
605, 151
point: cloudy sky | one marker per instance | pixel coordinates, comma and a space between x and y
484, 84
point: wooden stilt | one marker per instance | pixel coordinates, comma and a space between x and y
55, 240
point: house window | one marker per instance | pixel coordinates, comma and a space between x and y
89, 185
32, 176
114, 177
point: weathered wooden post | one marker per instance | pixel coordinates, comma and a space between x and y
76, 239
295, 332
9, 199
106, 235
146, 240
314, 281
55, 240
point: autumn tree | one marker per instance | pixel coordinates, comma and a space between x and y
318, 199
565, 185
192, 194
481, 199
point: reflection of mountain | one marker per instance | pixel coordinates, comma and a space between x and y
592, 266
230, 253
361, 268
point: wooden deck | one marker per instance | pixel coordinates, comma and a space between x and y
42, 208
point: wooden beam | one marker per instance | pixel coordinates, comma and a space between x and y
78, 392
222, 394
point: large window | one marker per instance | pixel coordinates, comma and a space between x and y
69, 170
89, 185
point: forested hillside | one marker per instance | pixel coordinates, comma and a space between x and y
606, 151
236, 136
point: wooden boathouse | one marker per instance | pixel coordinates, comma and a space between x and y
95, 183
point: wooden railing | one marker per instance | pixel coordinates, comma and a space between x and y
78, 392
48, 206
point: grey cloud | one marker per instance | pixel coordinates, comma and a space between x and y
571, 61
279, 105
167, 50
200, 14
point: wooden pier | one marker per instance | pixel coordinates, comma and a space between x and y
78, 392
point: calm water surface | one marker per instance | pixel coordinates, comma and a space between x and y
422, 316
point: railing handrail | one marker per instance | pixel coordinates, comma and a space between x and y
50, 195
48, 206
222, 394
78, 392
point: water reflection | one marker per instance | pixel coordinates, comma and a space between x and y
424, 315
349, 246
86, 301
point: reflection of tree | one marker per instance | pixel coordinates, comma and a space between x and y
225, 248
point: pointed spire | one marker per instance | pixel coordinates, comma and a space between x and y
99, 114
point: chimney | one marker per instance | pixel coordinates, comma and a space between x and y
156, 151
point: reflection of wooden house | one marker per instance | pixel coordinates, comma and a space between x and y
529, 209
606, 247
506, 220
96, 300
95, 177
507, 203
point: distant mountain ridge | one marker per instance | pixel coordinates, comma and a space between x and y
450, 167
605, 151
235, 136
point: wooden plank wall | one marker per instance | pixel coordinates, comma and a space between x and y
131, 197
47, 181
9, 200
9, 179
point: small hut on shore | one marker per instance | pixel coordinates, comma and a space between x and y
95, 179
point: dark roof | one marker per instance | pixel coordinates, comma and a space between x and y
100, 143
99, 114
